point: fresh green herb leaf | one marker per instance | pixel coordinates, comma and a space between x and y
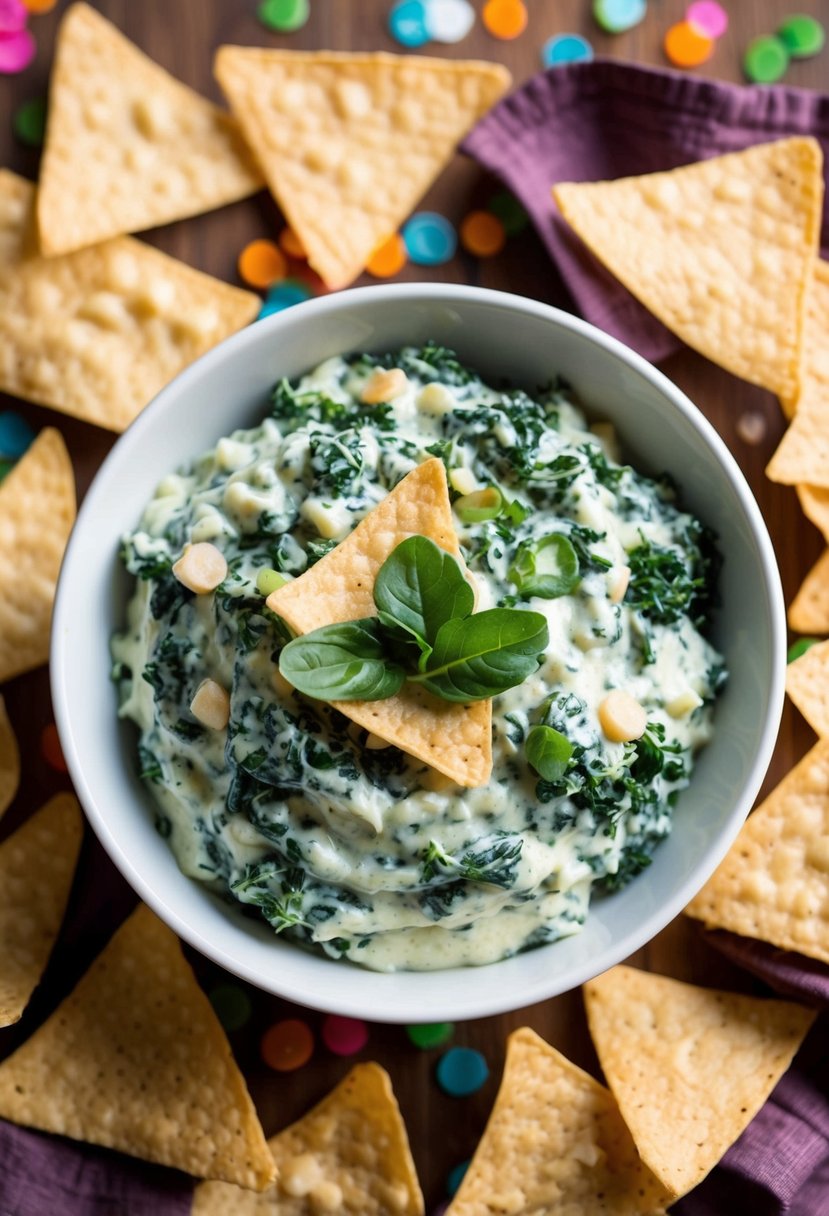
345, 662
420, 587
548, 751
548, 567
484, 654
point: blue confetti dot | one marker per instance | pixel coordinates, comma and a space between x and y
565, 48
430, 239
616, 16
15, 435
408, 24
461, 1071
455, 1177
284, 295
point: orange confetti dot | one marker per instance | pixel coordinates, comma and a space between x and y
261, 264
50, 749
482, 234
505, 19
39, 6
287, 1045
389, 258
291, 245
686, 46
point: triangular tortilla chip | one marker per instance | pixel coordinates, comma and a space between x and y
720, 251
555, 1142
9, 761
803, 454
97, 333
809, 610
37, 511
128, 147
815, 503
37, 865
690, 1067
774, 882
349, 143
454, 739
350, 1154
807, 683
135, 1059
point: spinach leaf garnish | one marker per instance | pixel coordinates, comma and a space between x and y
419, 588
548, 751
345, 662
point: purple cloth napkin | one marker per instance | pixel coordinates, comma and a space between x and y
591, 121
792, 975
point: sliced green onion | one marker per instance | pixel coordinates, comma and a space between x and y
482, 505
268, 580
547, 568
548, 751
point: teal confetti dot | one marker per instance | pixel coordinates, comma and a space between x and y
509, 211
802, 36
455, 1177
408, 23
765, 60
461, 1071
29, 123
284, 294
799, 648
15, 435
231, 1005
430, 1034
566, 48
284, 16
617, 16
430, 239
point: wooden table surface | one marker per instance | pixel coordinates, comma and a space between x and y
182, 35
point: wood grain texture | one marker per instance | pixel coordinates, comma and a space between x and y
181, 35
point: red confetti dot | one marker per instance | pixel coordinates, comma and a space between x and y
51, 750
287, 1045
344, 1036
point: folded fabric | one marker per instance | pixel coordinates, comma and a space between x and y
792, 975
606, 119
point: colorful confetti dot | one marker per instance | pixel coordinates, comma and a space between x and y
708, 17
461, 1071
765, 60
449, 20
16, 52
799, 648
287, 1045
15, 435
13, 16
617, 16
40, 6
751, 427
284, 16
261, 264
407, 23
344, 1036
51, 750
505, 19
802, 36
565, 48
430, 1034
388, 259
455, 1177
482, 234
430, 239
232, 1006
284, 295
291, 245
29, 122
686, 47
509, 211
6, 467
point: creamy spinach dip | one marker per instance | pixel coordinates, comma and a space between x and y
353, 846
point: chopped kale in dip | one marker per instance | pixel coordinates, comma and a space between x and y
294, 810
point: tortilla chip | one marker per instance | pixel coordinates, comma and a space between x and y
9, 761
774, 882
809, 610
807, 683
720, 251
803, 453
555, 1142
97, 333
350, 1154
37, 511
348, 143
690, 1067
814, 501
37, 865
128, 146
135, 1059
454, 739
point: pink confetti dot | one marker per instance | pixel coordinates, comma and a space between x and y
708, 17
344, 1036
16, 52
13, 16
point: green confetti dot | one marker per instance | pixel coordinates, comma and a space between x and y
509, 211
30, 122
765, 60
802, 36
284, 16
6, 467
430, 1034
800, 647
231, 1006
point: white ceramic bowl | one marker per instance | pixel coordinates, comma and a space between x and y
502, 336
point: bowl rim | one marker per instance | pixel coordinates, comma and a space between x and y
497, 999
